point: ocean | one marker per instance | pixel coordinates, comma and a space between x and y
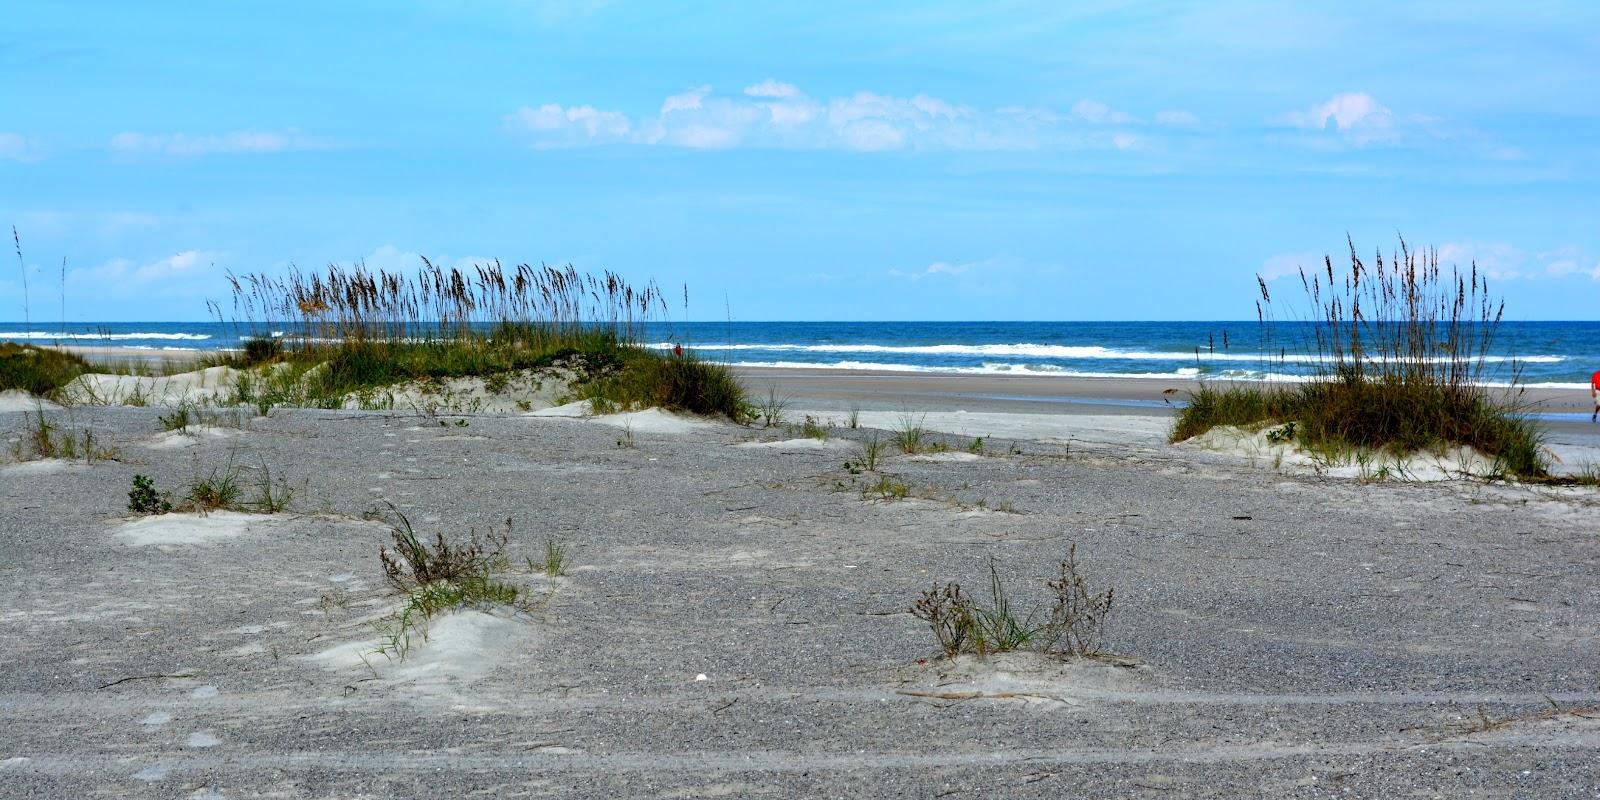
1543, 354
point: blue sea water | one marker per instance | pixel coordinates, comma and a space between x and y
1554, 354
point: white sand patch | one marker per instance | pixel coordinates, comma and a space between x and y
459, 646
157, 718
1258, 448
576, 410
216, 526
42, 466
654, 420
18, 400
190, 437
795, 444
202, 739
945, 457
212, 386
1029, 678
1096, 428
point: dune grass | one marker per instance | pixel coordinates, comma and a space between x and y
348, 331
1402, 349
38, 370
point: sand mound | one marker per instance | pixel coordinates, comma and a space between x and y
576, 410
795, 444
1258, 448
189, 528
511, 393
654, 420
194, 435
43, 466
18, 400
945, 457
458, 646
1030, 678
214, 385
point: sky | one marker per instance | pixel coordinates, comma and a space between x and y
816, 161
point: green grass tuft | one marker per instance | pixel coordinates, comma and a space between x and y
38, 370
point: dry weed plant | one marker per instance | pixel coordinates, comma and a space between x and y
1075, 625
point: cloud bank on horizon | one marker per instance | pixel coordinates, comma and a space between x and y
910, 161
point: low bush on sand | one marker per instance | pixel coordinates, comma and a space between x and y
1073, 625
38, 370
1402, 350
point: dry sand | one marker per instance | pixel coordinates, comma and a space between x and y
734, 620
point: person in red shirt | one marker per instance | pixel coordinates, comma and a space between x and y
1594, 391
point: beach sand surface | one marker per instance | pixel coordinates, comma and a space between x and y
734, 620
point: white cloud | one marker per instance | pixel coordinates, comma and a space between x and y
1099, 113
570, 124
773, 89
16, 147
1177, 119
1285, 265
1357, 116
688, 101
185, 272
1497, 260
182, 144
780, 115
390, 258
934, 269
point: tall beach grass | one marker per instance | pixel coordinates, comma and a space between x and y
1402, 352
355, 329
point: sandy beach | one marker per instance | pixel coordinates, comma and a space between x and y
734, 620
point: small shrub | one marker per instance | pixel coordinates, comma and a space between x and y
271, 498
218, 490
46, 439
976, 447
911, 438
1282, 434
888, 487
180, 418
812, 429
1073, 627
38, 370
555, 558
415, 564
144, 499
771, 409
261, 351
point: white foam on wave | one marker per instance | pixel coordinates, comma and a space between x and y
1052, 370
1025, 350
114, 337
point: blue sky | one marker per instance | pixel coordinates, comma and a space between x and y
924, 160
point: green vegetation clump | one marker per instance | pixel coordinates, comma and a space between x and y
38, 370
446, 576
1073, 626
354, 331
1403, 351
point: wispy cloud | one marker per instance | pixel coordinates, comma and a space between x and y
774, 114
182, 144
16, 147
1177, 119
1358, 117
932, 270
1500, 261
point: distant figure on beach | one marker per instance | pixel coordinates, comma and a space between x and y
1594, 392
